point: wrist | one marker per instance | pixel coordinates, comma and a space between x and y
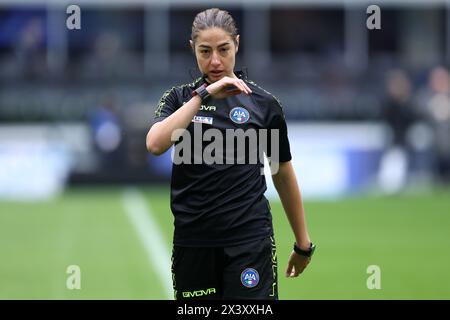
306, 253
202, 92
303, 244
212, 89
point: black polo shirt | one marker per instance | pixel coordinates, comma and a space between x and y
222, 204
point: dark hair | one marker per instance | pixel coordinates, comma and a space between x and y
214, 18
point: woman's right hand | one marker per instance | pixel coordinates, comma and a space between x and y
227, 87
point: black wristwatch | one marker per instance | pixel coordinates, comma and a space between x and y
308, 253
201, 92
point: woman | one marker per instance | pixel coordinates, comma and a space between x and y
223, 241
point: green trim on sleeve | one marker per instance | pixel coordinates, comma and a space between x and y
162, 101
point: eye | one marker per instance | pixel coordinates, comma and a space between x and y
204, 51
224, 49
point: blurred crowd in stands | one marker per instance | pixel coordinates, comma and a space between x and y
419, 117
413, 103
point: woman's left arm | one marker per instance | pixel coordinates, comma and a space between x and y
287, 187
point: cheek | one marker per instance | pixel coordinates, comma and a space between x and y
231, 61
202, 63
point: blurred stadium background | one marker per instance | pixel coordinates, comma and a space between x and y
368, 116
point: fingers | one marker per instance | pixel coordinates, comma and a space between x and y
295, 269
228, 87
240, 85
289, 269
243, 86
295, 272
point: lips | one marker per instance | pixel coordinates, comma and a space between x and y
216, 72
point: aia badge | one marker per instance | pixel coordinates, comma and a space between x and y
239, 115
250, 278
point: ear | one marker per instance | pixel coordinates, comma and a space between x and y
191, 43
237, 42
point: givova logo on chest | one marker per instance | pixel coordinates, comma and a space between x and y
207, 108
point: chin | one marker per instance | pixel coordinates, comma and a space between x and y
214, 77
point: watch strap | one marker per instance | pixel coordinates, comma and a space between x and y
305, 253
202, 92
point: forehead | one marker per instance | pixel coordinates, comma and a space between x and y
213, 37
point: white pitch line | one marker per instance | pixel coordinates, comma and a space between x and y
141, 217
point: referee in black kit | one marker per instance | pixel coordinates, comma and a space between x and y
223, 246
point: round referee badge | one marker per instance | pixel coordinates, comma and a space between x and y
239, 115
249, 278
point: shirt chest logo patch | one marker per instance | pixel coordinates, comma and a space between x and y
202, 119
239, 115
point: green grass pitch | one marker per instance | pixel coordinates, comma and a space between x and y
407, 236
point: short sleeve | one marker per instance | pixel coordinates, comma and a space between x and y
277, 122
167, 105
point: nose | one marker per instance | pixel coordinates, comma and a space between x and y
215, 60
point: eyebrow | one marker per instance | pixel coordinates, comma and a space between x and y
220, 45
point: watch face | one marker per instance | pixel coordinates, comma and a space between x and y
313, 248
